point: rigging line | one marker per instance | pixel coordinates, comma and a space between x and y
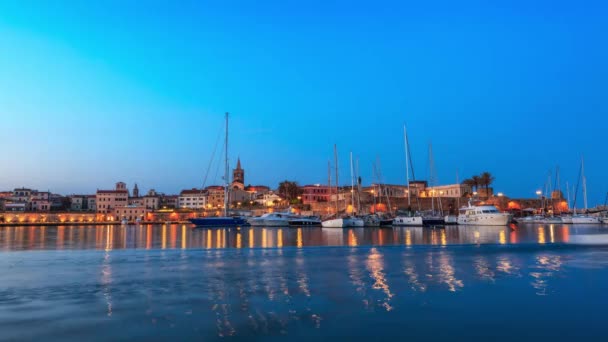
219, 133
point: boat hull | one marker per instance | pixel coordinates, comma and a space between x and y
276, 223
304, 222
484, 220
451, 219
218, 222
433, 221
342, 223
585, 220
408, 221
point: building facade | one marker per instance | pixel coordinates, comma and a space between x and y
447, 191
316, 193
108, 200
130, 212
192, 199
215, 198
152, 200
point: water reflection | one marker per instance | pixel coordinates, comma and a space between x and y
293, 291
185, 237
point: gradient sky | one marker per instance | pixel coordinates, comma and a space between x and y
93, 92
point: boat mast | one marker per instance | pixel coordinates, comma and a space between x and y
432, 177
337, 186
584, 183
568, 195
329, 179
352, 182
226, 172
407, 167
358, 188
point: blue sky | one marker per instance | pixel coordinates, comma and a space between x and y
96, 92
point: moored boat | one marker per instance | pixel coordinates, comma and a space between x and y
305, 221
585, 219
451, 219
485, 215
221, 221
343, 222
415, 221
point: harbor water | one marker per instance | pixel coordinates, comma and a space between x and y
175, 282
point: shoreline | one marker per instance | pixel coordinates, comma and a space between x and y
110, 223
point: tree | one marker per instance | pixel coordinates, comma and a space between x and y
476, 182
469, 182
290, 190
486, 179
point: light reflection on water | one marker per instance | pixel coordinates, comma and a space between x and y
320, 291
185, 237
158, 281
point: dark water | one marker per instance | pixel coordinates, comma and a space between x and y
159, 283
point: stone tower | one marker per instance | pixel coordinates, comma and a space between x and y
135, 191
238, 176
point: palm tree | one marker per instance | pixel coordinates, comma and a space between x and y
476, 182
486, 179
469, 182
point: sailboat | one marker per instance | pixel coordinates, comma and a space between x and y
583, 218
345, 221
408, 220
221, 221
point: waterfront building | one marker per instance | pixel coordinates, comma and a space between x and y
91, 202
77, 202
315, 193
137, 201
152, 200
239, 196
256, 190
40, 201
238, 176
21, 195
447, 191
108, 200
416, 187
130, 212
269, 199
215, 198
169, 201
192, 199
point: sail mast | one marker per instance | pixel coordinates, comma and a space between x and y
358, 188
584, 182
407, 167
352, 182
337, 184
226, 172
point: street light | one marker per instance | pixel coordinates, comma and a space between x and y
540, 201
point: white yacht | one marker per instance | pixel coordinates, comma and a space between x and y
605, 220
275, 219
343, 222
585, 219
485, 215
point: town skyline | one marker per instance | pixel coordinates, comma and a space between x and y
497, 91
